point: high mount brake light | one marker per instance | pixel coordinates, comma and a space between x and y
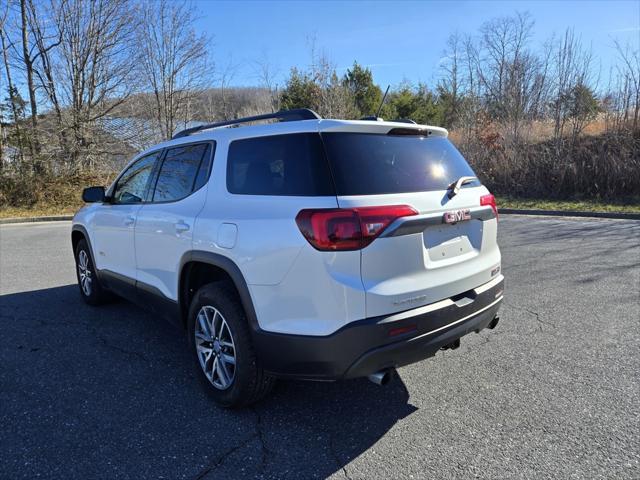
340, 229
491, 201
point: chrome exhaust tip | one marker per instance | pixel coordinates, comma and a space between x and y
382, 377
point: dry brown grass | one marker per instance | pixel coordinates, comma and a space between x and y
537, 131
28, 195
592, 167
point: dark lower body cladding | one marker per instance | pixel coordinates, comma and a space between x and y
374, 344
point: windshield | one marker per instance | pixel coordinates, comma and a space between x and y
370, 164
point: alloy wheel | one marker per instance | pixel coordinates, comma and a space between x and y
215, 347
84, 271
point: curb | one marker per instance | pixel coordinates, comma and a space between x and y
569, 213
54, 218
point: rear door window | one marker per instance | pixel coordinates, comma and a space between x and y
184, 170
292, 164
372, 164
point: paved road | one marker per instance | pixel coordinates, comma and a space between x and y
553, 392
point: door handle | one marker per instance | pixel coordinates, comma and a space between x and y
129, 221
182, 227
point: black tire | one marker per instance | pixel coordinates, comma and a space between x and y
250, 383
96, 295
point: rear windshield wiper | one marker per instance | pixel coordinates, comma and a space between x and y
454, 188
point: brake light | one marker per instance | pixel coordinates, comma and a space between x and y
331, 229
491, 201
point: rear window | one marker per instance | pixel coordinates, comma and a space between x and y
370, 164
292, 164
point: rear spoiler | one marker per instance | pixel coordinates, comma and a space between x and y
389, 128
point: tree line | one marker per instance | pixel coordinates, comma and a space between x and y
87, 83
72, 68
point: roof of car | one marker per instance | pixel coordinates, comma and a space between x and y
304, 114
232, 130
321, 125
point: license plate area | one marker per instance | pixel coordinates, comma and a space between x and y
446, 242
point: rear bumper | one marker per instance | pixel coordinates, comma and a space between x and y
367, 346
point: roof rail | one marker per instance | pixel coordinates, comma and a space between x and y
283, 116
405, 120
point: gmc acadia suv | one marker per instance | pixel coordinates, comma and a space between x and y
300, 248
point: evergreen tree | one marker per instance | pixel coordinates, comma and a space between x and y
365, 94
300, 92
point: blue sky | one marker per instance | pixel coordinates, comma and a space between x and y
397, 40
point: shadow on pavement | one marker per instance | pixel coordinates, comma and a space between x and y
111, 391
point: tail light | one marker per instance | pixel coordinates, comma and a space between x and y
491, 201
331, 229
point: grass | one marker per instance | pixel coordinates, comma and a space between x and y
22, 197
630, 206
37, 211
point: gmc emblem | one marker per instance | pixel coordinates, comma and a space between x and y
456, 216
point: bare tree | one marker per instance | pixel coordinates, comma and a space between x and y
174, 61
629, 72
266, 74
226, 76
3, 19
510, 78
450, 88
47, 36
471, 67
571, 65
28, 60
11, 88
96, 62
334, 100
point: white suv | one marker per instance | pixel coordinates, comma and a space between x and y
303, 248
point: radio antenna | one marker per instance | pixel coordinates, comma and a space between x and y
382, 102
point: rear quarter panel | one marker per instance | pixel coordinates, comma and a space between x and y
295, 288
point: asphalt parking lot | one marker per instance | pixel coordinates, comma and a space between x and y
552, 392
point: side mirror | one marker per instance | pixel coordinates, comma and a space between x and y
93, 194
